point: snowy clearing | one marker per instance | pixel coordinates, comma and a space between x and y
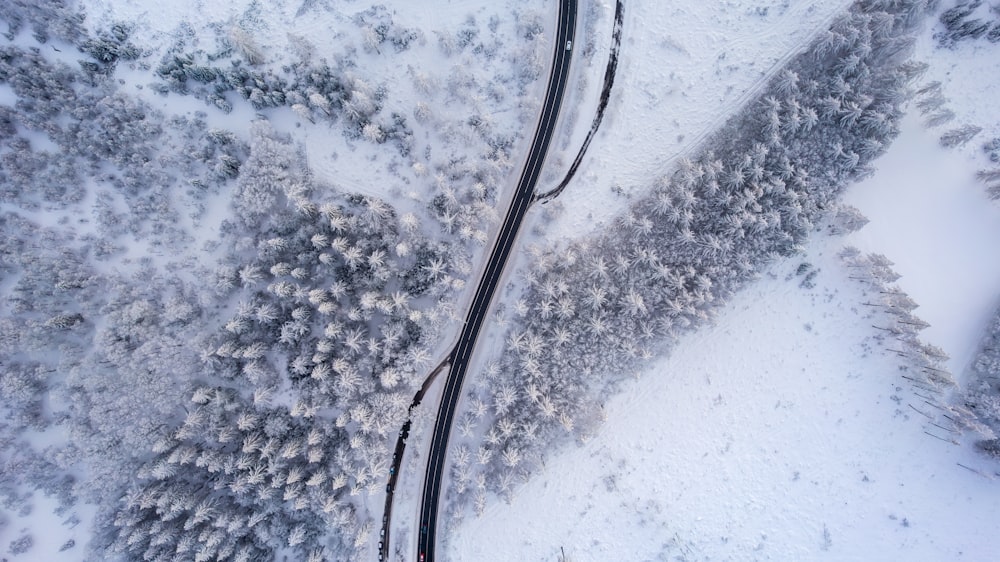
779, 433
928, 212
685, 67
931, 217
783, 431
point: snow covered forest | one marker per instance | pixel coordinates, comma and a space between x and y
199, 334
753, 193
230, 255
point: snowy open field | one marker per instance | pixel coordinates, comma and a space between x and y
685, 67
779, 433
783, 432
931, 217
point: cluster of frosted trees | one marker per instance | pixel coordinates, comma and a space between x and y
44, 18
112, 142
463, 182
300, 334
991, 176
334, 297
312, 88
596, 307
932, 104
89, 339
982, 395
922, 364
968, 20
237, 481
892, 311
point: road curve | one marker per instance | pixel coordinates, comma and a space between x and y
462, 353
602, 105
397, 460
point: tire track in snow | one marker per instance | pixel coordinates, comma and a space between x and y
728, 110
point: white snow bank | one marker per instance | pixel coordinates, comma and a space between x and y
54, 538
932, 218
779, 433
684, 68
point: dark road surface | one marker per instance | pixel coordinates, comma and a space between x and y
460, 356
397, 460
609, 82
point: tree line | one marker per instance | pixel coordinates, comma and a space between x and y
596, 307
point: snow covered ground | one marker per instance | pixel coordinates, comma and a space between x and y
53, 537
685, 67
451, 83
931, 217
779, 433
928, 212
783, 432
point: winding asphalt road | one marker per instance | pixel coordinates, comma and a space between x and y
602, 105
462, 353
